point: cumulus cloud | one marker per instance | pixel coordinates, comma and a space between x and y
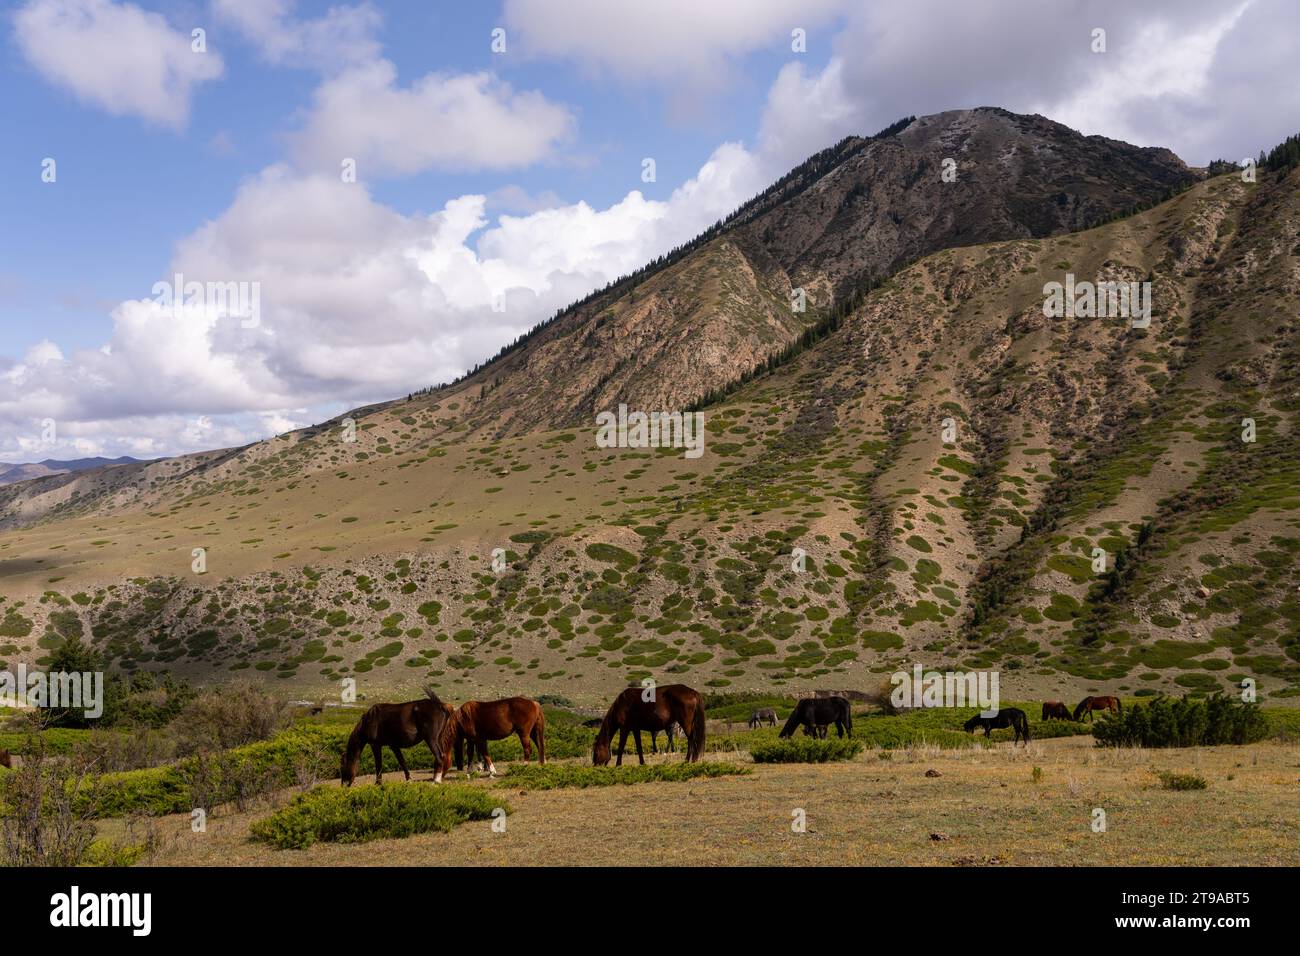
344, 35
1200, 77
357, 302
456, 121
116, 56
665, 40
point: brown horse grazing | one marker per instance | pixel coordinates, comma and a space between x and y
632, 713
398, 726
480, 721
1089, 704
1055, 710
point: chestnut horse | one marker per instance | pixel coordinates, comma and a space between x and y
1089, 704
651, 708
398, 726
1055, 710
479, 721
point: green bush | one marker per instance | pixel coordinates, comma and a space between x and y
356, 814
555, 776
59, 741
1183, 722
806, 750
1181, 781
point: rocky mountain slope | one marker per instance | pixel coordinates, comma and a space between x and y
944, 475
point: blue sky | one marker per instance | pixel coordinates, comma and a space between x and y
225, 164
127, 188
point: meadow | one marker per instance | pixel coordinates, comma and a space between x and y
906, 789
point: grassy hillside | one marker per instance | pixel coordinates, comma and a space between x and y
947, 458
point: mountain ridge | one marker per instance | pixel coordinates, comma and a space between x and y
947, 458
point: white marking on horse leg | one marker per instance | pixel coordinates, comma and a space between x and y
437, 777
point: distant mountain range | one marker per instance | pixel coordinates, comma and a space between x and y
11, 472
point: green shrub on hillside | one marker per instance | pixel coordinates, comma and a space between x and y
556, 776
357, 814
1183, 722
1182, 781
800, 749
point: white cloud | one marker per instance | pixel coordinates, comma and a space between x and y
344, 35
116, 56
664, 40
358, 302
1204, 79
449, 121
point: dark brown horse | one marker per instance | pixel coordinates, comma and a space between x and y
1055, 710
479, 721
402, 725
1012, 717
651, 708
816, 714
1089, 704
5, 759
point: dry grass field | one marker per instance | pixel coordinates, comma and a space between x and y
983, 809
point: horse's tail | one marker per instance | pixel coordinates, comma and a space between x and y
848, 718
695, 734
1119, 706
539, 735
1022, 720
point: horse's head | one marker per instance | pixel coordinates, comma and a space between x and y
600, 751
1078, 711
971, 724
348, 770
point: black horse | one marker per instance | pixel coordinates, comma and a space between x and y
814, 712
1009, 717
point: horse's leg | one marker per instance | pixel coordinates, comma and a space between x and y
622, 743
483, 749
378, 750
523, 742
639, 755
401, 761
440, 766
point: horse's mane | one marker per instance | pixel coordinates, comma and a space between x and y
793, 722
607, 725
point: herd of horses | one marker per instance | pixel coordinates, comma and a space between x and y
455, 734
461, 734
1015, 718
